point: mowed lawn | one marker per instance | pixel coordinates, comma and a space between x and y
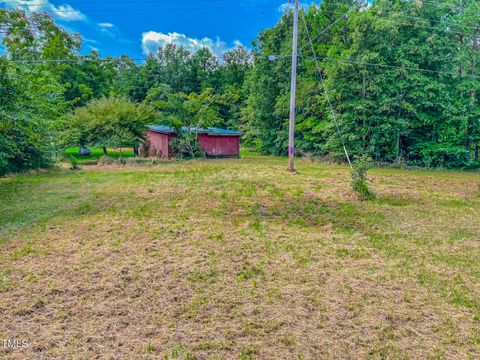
238, 259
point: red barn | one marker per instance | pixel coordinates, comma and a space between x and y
213, 141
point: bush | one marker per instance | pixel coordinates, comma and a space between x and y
149, 161
444, 155
108, 123
359, 177
74, 163
186, 145
106, 160
30, 101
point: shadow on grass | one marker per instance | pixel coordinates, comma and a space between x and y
308, 212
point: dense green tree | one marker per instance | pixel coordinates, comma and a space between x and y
35, 40
126, 73
401, 77
30, 101
205, 70
182, 110
397, 80
394, 111
236, 63
108, 122
31, 98
36, 37
267, 86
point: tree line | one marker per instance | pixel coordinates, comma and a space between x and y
395, 80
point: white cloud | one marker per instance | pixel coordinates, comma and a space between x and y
88, 40
63, 12
108, 29
152, 41
106, 25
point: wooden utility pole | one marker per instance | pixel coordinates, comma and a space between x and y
293, 88
471, 136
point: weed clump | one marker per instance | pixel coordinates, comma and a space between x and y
186, 145
106, 160
74, 163
359, 177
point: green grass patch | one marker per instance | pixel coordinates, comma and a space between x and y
238, 258
96, 153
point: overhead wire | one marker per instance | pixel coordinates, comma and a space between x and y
390, 21
440, 4
327, 97
438, 21
84, 58
352, 7
93, 2
365, 63
355, 3
53, 11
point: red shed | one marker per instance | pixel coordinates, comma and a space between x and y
214, 141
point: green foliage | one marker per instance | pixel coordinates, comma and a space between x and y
34, 94
359, 177
371, 62
29, 103
391, 112
97, 153
186, 145
186, 112
74, 163
106, 160
267, 85
108, 122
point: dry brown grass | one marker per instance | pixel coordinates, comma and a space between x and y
238, 259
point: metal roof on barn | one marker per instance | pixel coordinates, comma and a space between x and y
209, 131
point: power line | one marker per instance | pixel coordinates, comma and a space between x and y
342, 60
356, 3
407, 14
112, 59
15, 3
398, 22
439, 21
354, 62
441, 4
114, 9
163, 9
390, 21
334, 116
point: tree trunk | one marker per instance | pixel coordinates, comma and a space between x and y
135, 151
105, 152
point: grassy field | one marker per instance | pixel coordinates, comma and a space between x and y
239, 259
97, 154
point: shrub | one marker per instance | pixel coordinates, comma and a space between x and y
73, 163
359, 177
106, 160
186, 145
108, 123
30, 101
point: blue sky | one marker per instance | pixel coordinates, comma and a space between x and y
136, 27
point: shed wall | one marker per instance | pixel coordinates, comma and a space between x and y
158, 144
219, 145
